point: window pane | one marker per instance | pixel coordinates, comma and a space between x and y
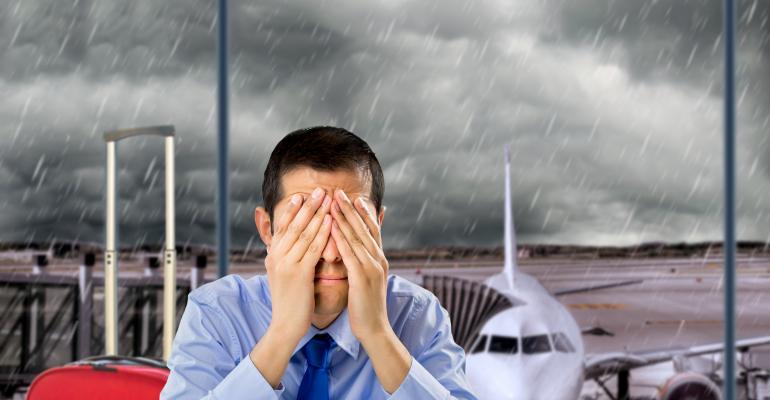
480, 345
535, 344
504, 344
561, 343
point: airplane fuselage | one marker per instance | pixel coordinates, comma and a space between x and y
535, 350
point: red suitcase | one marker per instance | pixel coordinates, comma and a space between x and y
105, 377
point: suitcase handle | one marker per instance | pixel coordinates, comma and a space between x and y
122, 360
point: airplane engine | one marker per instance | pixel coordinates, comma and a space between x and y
690, 386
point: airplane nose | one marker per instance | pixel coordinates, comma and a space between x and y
520, 391
513, 391
488, 385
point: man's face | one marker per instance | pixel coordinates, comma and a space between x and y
331, 296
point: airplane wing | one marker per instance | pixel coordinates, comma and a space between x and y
600, 365
596, 287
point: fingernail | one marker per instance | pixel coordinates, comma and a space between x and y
362, 203
327, 218
317, 193
295, 199
327, 200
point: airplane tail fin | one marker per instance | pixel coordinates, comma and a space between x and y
511, 253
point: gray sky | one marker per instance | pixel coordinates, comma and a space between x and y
612, 108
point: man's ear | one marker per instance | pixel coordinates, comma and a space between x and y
262, 220
381, 216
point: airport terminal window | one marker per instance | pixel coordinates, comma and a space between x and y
504, 344
479, 344
535, 344
562, 344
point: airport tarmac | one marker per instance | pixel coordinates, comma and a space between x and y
678, 303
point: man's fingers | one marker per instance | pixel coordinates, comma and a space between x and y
308, 236
370, 218
300, 221
359, 232
352, 240
348, 257
280, 226
313, 253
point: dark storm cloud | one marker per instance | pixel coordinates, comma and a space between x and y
104, 40
611, 115
681, 42
675, 40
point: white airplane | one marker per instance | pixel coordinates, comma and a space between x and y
523, 344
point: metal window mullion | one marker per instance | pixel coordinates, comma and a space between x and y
223, 225
729, 206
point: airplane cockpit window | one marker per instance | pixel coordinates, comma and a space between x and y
503, 344
480, 344
535, 344
562, 344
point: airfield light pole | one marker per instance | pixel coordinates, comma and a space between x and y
223, 223
729, 168
111, 248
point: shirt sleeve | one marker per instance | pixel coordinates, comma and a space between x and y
202, 367
437, 372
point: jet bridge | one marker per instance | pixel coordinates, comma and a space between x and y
469, 304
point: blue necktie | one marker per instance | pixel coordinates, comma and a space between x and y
315, 382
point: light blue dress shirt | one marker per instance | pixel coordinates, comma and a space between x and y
224, 319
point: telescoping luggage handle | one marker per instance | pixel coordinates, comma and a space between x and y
111, 239
105, 361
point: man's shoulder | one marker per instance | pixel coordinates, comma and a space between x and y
410, 294
231, 288
415, 314
399, 286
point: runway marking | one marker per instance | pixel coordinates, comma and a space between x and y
596, 306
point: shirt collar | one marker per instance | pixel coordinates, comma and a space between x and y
340, 331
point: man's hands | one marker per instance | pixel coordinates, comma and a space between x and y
357, 234
300, 236
299, 239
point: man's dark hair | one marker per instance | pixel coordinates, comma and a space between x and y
323, 148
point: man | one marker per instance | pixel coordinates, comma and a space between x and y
327, 322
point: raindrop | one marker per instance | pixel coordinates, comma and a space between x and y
63, 44
692, 55
150, 168
15, 35
422, 210
550, 125
547, 217
40, 162
534, 199
40, 181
